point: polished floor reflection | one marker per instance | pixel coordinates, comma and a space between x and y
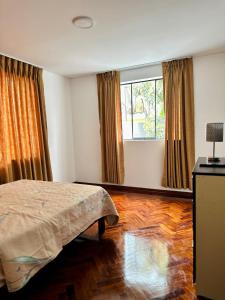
146, 263
148, 255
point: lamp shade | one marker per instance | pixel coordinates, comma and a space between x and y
214, 132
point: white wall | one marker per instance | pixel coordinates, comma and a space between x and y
143, 159
141, 73
209, 87
60, 131
86, 130
144, 163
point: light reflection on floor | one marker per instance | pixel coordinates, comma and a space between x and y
146, 263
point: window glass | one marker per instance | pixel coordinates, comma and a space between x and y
126, 111
143, 110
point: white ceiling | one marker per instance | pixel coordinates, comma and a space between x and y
127, 32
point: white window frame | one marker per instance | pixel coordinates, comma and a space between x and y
140, 81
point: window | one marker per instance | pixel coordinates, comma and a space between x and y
143, 109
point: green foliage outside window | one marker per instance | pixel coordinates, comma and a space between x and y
143, 110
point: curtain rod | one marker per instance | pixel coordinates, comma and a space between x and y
22, 60
125, 68
152, 63
170, 59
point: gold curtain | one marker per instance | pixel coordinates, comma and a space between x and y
179, 129
111, 127
24, 150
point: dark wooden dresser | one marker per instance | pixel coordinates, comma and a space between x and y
209, 230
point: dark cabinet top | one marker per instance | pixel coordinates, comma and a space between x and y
218, 170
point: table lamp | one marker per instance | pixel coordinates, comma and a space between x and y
214, 133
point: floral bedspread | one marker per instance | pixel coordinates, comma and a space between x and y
38, 218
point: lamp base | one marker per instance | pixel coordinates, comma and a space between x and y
213, 159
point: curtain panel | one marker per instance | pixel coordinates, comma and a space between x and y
111, 127
179, 127
24, 152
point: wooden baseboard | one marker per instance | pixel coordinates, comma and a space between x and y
131, 189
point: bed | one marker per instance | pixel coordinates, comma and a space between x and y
38, 218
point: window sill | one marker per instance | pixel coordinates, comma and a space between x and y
144, 140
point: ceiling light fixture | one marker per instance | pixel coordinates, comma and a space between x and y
83, 22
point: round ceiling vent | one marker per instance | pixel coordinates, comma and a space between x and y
83, 22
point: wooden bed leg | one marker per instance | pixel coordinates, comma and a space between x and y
101, 226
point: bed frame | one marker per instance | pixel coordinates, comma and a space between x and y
101, 230
101, 226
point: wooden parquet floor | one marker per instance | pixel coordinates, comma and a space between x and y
148, 255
